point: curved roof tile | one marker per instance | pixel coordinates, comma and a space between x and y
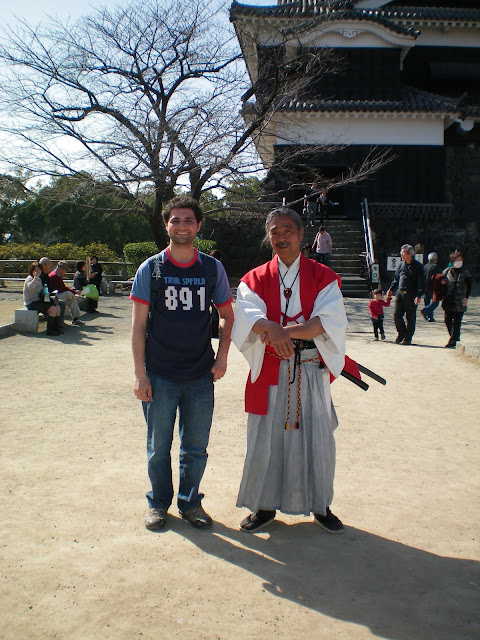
347, 8
411, 100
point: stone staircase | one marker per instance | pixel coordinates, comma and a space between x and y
348, 244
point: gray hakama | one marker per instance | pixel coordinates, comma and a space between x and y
292, 470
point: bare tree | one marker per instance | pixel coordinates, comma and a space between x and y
144, 99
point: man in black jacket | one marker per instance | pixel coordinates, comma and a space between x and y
408, 283
430, 270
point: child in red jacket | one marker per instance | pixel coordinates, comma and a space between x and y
376, 311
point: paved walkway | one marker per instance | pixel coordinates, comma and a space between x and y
78, 564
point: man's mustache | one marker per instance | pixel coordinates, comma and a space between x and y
282, 245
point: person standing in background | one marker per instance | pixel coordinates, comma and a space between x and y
459, 287
408, 285
430, 270
322, 245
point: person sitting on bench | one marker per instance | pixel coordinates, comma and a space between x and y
69, 296
80, 281
34, 300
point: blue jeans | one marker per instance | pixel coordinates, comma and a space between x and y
430, 306
311, 213
194, 401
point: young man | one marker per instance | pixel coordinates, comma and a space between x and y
290, 325
175, 366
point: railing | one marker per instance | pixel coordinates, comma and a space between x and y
370, 265
120, 267
412, 211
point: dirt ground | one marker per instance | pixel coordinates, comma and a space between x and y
78, 564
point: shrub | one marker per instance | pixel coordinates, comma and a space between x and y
205, 245
136, 253
60, 251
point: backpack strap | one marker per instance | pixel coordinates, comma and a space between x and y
156, 267
210, 265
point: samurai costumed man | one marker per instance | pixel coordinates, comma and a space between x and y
290, 325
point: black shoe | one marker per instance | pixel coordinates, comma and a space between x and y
424, 314
451, 345
156, 519
399, 340
406, 342
256, 521
52, 328
329, 523
383, 336
197, 517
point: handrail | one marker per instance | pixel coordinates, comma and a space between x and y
368, 239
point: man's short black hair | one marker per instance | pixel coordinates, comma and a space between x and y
183, 202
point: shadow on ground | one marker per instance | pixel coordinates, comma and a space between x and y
397, 591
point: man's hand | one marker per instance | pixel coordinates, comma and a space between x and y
142, 388
219, 367
276, 336
417, 300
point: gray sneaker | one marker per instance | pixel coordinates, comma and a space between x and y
197, 517
156, 519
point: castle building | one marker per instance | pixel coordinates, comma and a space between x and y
404, 79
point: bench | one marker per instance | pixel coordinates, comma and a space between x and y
26, 320
113, 283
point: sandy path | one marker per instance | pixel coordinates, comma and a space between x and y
77, 563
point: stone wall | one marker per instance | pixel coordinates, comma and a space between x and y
462, 189
390, 236
239, 237
463, 181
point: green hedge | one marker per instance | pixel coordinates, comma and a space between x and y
59, 251
205, 245
138, 252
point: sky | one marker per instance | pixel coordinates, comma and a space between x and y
34, 10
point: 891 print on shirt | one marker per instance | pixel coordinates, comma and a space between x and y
185, 296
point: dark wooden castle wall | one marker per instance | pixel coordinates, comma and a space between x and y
415, 174
359, 74
447, 71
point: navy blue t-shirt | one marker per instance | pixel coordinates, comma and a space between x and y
178, 346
